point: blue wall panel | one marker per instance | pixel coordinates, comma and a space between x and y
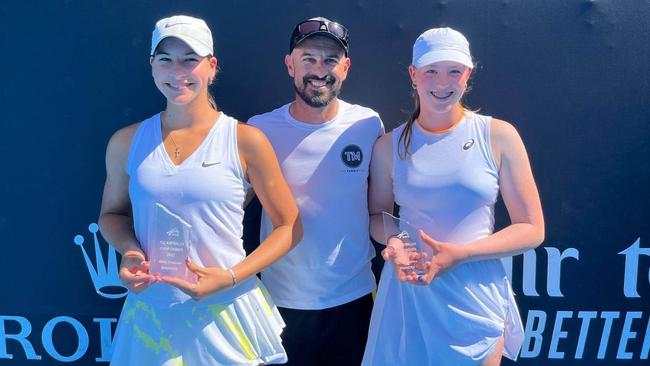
572, 76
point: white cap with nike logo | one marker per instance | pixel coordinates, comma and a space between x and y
193, 31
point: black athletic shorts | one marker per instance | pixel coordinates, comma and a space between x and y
333, 337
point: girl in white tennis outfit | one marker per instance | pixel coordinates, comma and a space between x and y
199, 164
445, 168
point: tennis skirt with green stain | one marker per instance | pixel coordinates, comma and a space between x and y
243, 331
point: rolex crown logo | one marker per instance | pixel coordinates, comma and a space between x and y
105, 276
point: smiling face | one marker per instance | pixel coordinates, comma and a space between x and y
318, 67
441, 85
180, 74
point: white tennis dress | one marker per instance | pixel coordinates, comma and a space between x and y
447, 187
162, 325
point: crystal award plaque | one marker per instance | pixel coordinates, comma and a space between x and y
403, 240
169, 244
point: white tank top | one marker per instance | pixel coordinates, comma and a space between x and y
207, 190
448, 186
449, 178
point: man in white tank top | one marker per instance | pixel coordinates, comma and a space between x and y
323, 286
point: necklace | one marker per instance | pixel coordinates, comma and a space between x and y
177, 149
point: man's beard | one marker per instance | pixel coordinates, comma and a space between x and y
318, 99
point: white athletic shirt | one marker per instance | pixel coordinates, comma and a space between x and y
162, 325
447, 186
207, 190
326, 166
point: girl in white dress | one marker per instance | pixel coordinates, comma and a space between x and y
198, 164
445, 168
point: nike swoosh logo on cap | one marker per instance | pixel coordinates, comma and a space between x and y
168, 25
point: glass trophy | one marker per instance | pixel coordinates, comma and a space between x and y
403, 240
169, 244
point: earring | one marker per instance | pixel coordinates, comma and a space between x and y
415, 87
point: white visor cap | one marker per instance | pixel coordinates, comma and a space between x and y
441, 44
193, 31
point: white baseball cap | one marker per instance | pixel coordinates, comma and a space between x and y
192, 31
441, 44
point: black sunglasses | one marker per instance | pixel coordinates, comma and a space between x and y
309, 27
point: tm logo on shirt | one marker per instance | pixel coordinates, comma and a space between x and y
352, 156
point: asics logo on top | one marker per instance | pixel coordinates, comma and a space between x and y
206, 164
105, 276
352, 156
468, 144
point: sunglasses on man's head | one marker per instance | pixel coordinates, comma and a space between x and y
310, 26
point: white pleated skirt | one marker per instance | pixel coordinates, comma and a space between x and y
243, 331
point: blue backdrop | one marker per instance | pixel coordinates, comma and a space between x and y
571, 75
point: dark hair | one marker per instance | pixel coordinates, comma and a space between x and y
308, 42
211, 100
